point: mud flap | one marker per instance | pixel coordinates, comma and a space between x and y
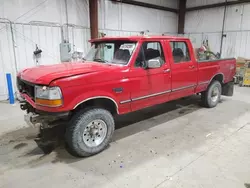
228, 89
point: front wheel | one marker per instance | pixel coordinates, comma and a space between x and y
90, 131
211, 97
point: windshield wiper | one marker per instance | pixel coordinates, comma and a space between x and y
100, 60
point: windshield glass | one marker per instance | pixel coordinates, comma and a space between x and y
115, 52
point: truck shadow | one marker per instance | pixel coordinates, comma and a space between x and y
126, 125
132, 123
247, 185
145, 119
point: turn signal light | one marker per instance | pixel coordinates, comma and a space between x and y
49, 103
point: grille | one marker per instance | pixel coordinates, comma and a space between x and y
26, 87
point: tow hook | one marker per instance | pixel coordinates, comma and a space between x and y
24, 106
31, 120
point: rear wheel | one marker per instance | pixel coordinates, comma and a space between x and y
211, 97
90, 131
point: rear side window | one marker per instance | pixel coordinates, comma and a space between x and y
148, 51
180, 51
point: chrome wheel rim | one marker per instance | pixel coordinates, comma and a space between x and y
95, 133
215, 94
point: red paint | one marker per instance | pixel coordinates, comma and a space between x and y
83, 81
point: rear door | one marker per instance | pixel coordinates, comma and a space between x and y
183, 69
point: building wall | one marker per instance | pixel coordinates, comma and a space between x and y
42, 23
207, 24
164, 3
195, 3
38, 23
124, 19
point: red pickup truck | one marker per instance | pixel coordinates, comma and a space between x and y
117, 76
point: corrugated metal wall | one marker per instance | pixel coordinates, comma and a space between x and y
164, 3
195, 3
7, 63
40, 22
26, 37
207, 24
119, 19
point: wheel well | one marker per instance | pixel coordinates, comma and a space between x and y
105, 103
219, 77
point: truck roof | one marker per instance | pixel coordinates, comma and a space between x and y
136, 38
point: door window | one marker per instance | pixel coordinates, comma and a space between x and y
180, 51
148, 51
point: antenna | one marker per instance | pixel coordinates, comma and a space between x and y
144, 32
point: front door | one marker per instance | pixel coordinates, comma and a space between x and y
155, 83
184, 70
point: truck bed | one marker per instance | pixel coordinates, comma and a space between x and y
225, 67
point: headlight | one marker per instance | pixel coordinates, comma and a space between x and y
48, 96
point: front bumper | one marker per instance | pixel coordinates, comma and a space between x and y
34, 119
30, 101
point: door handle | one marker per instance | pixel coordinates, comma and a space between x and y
166, 70
191, 67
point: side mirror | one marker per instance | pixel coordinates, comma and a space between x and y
153, 63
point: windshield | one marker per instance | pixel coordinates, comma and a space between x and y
115, 52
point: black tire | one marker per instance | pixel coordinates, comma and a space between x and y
206, 96
75, 129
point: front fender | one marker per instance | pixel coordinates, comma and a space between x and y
96, 94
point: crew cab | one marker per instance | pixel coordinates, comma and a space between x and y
119, 75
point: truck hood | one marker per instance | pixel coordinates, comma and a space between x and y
45, 74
